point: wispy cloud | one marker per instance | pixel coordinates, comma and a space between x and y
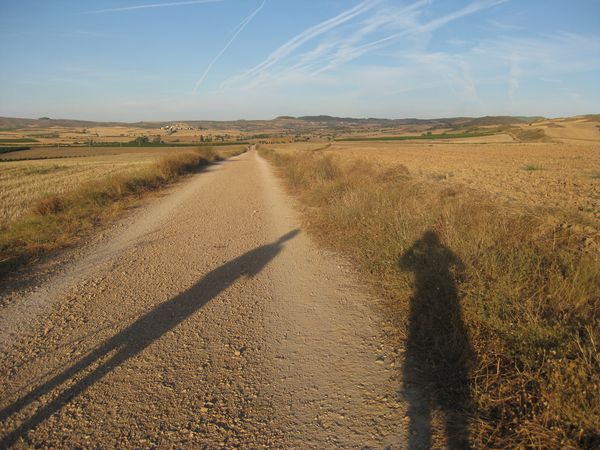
151, 5
467, 10
393, 42
369, 26
504, 26
293, 44
236, 31
514, 76
530, 58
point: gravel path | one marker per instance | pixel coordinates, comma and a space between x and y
207, 318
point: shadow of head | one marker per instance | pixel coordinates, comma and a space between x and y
287, 237
435, 319
430, 238
429, 256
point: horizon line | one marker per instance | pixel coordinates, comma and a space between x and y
284, 116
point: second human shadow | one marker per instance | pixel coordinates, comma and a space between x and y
136, 337
439, 354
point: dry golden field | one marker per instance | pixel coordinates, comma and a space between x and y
47, 204
571, 130
550, 175
58, 135
24, 182
487, 258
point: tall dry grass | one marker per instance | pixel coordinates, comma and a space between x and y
526, 288
60, 219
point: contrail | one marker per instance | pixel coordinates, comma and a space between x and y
239, 28
307, 35
428, 27
152, 5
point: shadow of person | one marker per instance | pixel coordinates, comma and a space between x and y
438, 350
139, 335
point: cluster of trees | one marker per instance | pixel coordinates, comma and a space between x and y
216, 138
145, 140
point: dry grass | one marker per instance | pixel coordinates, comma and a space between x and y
46, 205
502, 315
93, 152
565, 183
22, 183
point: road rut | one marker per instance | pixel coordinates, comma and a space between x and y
208, 318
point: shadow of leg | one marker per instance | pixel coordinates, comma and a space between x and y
457, 430
419, 416
55, 405
57, 381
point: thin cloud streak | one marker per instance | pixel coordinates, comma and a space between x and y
311, 33
238, 29
327, 55
350, 52
152, 5
467, 10
426, 28
504, 26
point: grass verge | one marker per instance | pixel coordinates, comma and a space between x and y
498, 310
60, 220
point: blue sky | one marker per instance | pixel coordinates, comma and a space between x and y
136, 60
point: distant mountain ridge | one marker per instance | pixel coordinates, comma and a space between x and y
45, 122
281, 121
475, 121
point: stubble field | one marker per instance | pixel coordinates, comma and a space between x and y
559, 176
56, 196
488, 256
52, 171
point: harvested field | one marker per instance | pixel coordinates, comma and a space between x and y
494, 302
48, 204
91, 152
549, 175
39, 172
23, 183
572, 130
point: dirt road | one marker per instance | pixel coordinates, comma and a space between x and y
206, 318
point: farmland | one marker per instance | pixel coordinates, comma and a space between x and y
521, 223
51, 197
41, 172
560, 176
326, 225
480, 241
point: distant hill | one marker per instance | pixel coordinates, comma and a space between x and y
45, 122
452, 121
281, 122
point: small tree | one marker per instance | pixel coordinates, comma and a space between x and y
141, 140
